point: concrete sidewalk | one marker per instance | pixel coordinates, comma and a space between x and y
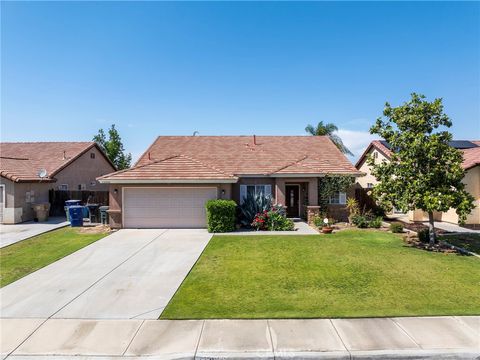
383, 338
13, 233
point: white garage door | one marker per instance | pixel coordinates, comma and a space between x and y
166, 207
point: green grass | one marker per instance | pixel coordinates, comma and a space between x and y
353, 273
471, 242
29, 255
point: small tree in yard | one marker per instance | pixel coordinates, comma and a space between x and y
113, 147
424, 171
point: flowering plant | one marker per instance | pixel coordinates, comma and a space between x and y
260, 221
273, 220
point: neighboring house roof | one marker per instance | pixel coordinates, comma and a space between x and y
22, 161
470, 149
227, 157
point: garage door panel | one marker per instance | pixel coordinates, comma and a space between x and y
166, 207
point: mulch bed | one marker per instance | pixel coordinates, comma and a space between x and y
416, 226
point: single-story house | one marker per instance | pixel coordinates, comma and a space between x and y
28, 170
176, 175
380, 150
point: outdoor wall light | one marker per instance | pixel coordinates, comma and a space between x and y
223, 191
115, 191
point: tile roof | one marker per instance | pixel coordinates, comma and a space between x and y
469, 148
21, 161
233, 156
171, 168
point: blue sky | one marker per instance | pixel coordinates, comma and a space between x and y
231, 68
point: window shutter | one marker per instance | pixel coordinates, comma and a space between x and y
343, 198
268, 190
243, 193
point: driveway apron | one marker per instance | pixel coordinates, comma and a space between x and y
131, 273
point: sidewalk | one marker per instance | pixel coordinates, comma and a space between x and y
382, 338
13, 233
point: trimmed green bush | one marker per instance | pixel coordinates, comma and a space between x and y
376, 222
396, 227
424, 236
220, 215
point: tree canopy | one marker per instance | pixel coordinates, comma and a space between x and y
328, 129
424, 171
113, 147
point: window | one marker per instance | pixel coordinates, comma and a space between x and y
254, 190
93, 183
338, 197
369, 185
63, 187
92, 155
375, 155
82, 186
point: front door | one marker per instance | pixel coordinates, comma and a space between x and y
292, 197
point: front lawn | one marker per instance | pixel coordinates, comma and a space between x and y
27, 256
354, 273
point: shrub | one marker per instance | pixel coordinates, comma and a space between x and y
253, 205
376, 222
318, 221
278, 222
220, 215
360, 221
367, 220
353, 208
396, 227
272, 220
424, 236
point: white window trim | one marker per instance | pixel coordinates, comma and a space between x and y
63, 187
243, 190
342, 198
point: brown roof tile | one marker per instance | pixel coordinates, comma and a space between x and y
21, 161
240, 155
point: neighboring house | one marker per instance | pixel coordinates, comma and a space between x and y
172, 180
28, 170
380, 150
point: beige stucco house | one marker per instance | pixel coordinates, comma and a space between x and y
172, 180
28, 170
380, 151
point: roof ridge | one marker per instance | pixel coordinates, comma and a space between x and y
14, 158
207, 165
139, 166
289, 164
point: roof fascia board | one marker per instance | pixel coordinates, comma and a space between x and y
169, 181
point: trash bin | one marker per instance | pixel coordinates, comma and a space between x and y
104, 215
76, 215
92, 212
41, 211
69, 203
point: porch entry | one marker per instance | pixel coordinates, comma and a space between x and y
292, 200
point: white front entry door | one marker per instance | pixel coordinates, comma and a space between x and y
166, 207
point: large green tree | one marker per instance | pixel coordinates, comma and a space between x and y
113, 147
328, 129
424, 171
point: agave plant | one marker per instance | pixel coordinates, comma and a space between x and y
252, 205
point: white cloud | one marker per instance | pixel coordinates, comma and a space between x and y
356, 141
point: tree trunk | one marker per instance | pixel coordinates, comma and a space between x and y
431, 229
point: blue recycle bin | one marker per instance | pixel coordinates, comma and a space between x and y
69, 203
75, 213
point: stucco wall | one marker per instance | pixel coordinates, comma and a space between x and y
85, 170
115, 199
17, 209
369, 178
472, 185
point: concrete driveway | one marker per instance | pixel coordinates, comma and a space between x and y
129, 274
